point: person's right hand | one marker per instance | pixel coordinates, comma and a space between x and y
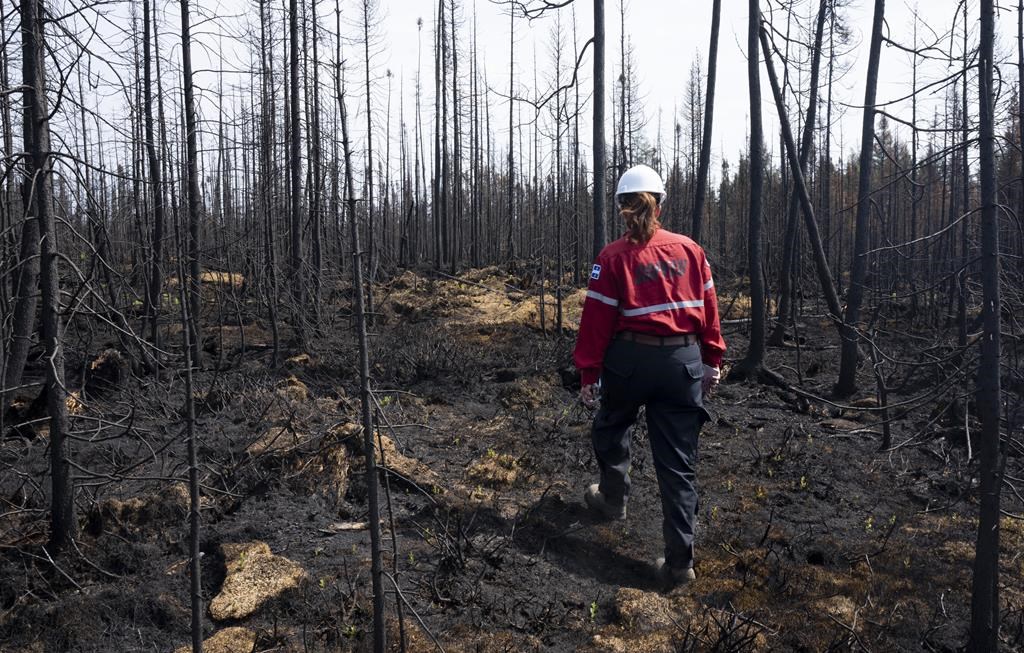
588, 395
711, 377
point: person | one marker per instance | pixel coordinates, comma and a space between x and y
650, 336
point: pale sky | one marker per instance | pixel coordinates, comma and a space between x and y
666, 37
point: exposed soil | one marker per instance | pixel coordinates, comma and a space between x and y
810, 539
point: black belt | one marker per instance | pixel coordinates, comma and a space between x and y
658, 341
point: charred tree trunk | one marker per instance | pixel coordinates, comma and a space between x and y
984, 634
370, 224
63, 524
295, 174
27, 283
191, 315
379, 642
797, 199
156, 188
511, 149
850, 350
797, 168
600, 231
437, 210
316, 187
753, 361
266, 197
709, 110
192, 172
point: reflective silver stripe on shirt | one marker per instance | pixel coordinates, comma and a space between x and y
709, 285
601, 298
671, 306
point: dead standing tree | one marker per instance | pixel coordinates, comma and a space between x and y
985, 615
152, 309
27, 280
600, 156
190, 317
39, 200
194, 198
267, 171
379, 642
368, 11
295, 175
709, 111
801, 195
790, 236
850, 350
752, 363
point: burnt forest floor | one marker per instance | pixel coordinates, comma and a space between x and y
809, 538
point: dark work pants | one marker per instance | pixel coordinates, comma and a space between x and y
667, 380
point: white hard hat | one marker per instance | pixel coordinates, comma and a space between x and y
641, 179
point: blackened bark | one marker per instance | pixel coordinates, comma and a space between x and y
295, 170
709, 111
600, 231
511, 137
156, 186
192, 317
984, 635
796, 200
379, 642
63, 525
754, 359
370, 226
27, 283
849, 352
194, 198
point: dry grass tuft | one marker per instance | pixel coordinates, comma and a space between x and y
495, 470
388, 456
255, 575
293, 390
229, 640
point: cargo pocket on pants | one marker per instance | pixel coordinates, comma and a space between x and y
694, 391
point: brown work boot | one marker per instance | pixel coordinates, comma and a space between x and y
597, 501
671, 576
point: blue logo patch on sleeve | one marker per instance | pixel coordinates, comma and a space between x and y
595, 274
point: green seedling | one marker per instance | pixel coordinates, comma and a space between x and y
593, 611
803, 482
869, 524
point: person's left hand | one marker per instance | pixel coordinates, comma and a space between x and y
588, 395
711, 378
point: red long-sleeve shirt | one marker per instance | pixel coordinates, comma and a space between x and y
662, 288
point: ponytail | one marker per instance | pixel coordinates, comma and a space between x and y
640, 213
